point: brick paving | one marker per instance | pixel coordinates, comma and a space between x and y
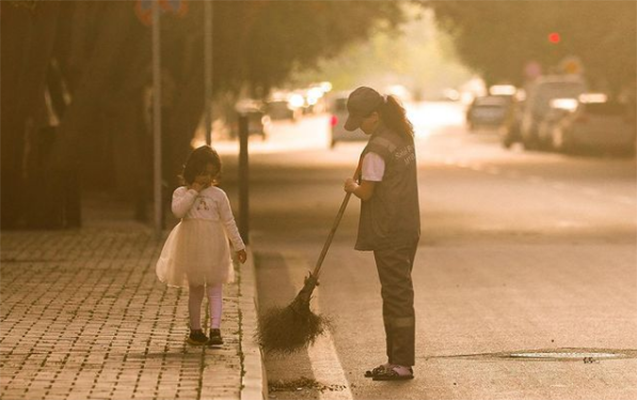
83, 316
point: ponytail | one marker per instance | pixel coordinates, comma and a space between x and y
395, 118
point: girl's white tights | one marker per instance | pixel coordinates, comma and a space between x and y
215, 302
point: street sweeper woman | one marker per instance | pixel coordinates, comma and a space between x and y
196, 254
389, 222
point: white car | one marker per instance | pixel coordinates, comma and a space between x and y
337, 107
538, 104
596, 124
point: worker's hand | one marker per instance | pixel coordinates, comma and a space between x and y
350, 185
242, 256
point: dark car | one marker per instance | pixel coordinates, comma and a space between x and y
510, 133
489, 111
258, 121
281, 110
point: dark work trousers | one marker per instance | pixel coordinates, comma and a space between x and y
397, 290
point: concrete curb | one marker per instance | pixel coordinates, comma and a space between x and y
253, 382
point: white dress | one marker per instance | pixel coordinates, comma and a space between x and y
196, 251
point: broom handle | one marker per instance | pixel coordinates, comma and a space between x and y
328, 242
337, 220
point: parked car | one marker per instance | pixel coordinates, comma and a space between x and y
559, 109
282, 110
338, 115
596, 124
258, 121
489, 111
539, 96
510, 134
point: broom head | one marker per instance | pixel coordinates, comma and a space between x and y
288, 329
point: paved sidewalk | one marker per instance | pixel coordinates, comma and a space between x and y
83, 316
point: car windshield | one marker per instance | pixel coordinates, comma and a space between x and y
491, 101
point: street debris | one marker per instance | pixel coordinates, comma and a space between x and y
302, 383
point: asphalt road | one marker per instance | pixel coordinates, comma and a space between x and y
520, 253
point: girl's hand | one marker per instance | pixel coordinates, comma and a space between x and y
350, 185
242, 256
197, 186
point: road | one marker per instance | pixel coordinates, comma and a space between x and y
520, 253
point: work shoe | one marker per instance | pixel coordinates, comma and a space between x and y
395, 373
376, 371
197, 337
215, 338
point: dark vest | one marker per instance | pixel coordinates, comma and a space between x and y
391, 217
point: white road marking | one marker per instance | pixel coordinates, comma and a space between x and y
326, 366
463, 164
625, 200
559, 185
513, 174
493, 170
571, 224
591, 192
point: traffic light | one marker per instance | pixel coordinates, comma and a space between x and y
554, 37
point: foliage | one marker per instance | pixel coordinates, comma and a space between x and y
101, 55
28, 4
498, 38
418, 56
287, 34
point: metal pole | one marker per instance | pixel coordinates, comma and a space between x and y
244, 209
207, 43
157, 175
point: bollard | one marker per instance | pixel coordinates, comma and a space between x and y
244, 209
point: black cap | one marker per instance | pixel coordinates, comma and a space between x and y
360, 103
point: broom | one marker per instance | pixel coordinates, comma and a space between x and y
287, 329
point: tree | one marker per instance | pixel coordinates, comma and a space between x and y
27, 40
498, 38
418, 56
102, 54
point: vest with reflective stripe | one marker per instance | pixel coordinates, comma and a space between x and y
391, 217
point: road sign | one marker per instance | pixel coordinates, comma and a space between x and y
571, 65
177, 7
532, 70
144, 9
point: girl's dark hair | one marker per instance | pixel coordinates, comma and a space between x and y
197, 161
395, 118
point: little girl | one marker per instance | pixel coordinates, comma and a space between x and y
196, 254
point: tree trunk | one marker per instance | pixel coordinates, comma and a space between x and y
78, 132
182, 122
27, 43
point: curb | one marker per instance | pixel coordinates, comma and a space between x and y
253, 382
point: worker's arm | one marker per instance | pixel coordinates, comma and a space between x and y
364, 190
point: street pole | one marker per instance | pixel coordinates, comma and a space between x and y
157, 175
244, 209
207, 43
